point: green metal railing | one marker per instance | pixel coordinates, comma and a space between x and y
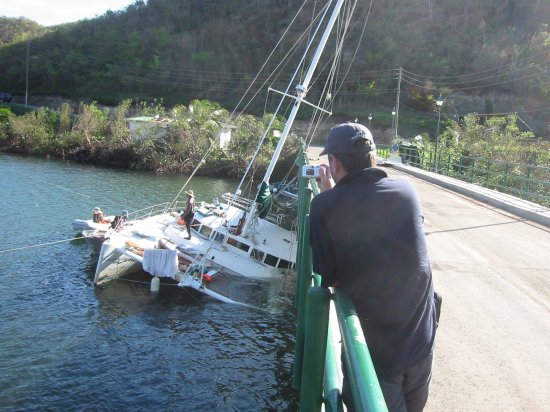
324, 317
528, 182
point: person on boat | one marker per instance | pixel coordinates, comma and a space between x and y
238, 228
186, 217
119, 220
98, 217
368, 240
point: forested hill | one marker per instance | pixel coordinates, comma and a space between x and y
484, 55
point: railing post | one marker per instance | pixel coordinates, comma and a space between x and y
506, 172
528, 176
303, 240
303, 283
317, 315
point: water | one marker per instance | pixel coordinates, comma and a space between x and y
69, 346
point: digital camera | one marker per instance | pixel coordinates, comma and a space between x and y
310, 171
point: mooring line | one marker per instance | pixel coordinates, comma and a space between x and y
41, 244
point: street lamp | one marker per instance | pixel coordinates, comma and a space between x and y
370, 118
392, 122
439, 102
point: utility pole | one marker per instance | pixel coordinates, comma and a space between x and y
27, 75
397, 101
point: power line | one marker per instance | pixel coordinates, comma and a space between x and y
497, 68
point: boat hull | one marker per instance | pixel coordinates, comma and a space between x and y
94, 239
268, 252
114, 263
82, 224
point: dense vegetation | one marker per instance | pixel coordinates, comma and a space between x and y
102, 136
492, 152
483, 55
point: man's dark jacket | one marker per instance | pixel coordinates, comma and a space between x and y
367, 234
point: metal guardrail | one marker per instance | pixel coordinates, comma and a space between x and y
317, 362
528, 182
152, 210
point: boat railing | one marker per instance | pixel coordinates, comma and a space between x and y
326, 317
154, 210
238, 201
245, 204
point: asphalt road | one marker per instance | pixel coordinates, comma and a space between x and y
493, 270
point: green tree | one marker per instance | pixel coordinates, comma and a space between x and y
119, 134
91, 124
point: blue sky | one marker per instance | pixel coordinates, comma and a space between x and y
52, 12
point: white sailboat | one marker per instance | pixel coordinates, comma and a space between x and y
232, 234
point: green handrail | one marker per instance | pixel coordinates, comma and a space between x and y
367, 395
315, 344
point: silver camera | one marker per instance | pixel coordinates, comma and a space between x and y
310, 171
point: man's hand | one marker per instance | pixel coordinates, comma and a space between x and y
325, 178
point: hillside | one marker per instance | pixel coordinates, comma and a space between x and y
485, 56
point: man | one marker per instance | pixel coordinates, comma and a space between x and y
189, 212
368, 240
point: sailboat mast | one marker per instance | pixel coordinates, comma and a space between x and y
301, 89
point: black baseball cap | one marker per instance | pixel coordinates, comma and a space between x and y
349, 138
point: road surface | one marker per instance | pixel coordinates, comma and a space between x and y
493, 270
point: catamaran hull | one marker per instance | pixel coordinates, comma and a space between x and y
81, 224
94, 239
112, 264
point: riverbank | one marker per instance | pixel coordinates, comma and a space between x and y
106, 137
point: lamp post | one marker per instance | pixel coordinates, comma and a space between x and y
392, 123
439, 102
370, 118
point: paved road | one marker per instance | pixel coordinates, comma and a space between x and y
493, 270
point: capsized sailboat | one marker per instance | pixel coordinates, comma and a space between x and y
231, 234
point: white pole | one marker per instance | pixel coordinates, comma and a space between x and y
397, 102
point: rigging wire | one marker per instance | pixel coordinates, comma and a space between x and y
268, 59
235, 113
201, 162
337, 60
323, 12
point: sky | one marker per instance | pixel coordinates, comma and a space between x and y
52, 12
